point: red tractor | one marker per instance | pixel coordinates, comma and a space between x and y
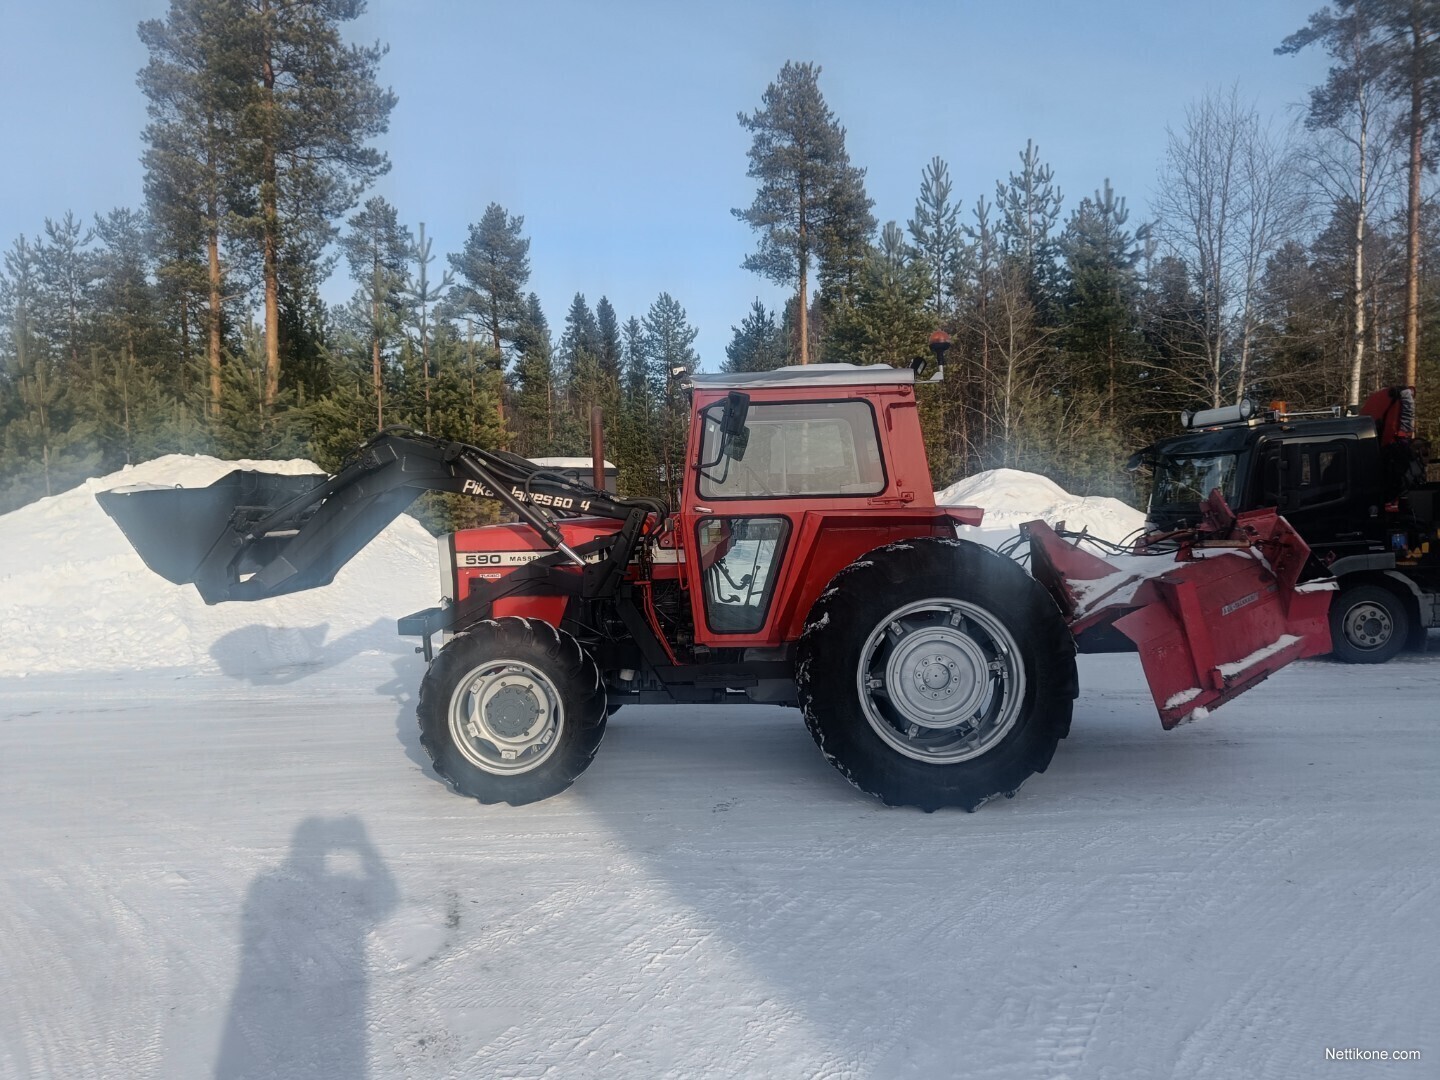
806, 564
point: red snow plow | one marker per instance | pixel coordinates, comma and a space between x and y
804, 564
1210, 622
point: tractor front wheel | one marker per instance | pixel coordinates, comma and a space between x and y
512, 710
936, 673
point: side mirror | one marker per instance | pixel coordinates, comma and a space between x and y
734, 435
1140, 459
732, 419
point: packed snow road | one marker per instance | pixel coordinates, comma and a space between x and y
253, 873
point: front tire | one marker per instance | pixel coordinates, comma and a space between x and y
512, 710
935, 672
1368, 624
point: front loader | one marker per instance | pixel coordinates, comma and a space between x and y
805, 564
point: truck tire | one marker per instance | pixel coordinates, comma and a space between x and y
935, 672
512, 710
1369, 624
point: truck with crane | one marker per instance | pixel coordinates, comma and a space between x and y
1353, 485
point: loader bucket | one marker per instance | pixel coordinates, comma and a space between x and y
182, 532
1209, 622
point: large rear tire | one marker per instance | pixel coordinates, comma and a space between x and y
512, 710
1369, 624
934, 673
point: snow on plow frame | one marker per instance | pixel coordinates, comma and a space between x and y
1209, 624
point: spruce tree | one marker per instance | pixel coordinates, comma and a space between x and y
670, 356
1102, 296
758, 343
534, 395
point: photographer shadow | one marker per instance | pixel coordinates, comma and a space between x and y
299, 1005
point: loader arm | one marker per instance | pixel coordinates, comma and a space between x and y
252, 535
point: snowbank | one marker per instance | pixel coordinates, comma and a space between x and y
74, 596
1011, 497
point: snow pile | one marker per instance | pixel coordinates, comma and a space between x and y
74, 596
1011, 497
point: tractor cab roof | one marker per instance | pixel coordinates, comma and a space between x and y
808, 375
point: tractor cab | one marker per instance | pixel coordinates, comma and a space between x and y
794, 473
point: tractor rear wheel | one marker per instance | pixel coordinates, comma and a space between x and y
935, 672
512, 710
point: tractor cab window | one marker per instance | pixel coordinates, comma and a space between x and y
1187, 481
796, 449
739, 562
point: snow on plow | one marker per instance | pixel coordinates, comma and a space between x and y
1210, 623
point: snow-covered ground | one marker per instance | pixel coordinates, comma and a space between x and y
224, 868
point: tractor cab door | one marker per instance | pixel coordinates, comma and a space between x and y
744, 502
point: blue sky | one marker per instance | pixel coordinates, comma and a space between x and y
612, 126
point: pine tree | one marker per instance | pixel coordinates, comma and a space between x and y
420, 298
935, 230
494, 267
194, 188
67, 273
310, 106
377, 249
1029, 205
811, 201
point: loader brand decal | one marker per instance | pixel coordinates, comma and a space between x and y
539, 498
1245, 601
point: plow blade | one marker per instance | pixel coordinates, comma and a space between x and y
1210, 623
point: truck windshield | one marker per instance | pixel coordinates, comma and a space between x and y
1188, 481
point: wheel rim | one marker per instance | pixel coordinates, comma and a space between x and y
1368, 625
506, 717
941, 680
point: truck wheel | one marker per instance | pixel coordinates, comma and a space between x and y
1368, 624
934, 672
512, 710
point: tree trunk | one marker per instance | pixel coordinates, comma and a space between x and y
376, 375
1412, 239
804, 258
1357, 364
270, 225
212, 350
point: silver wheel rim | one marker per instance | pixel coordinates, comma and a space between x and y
941, 680
506, 717
1368, 625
